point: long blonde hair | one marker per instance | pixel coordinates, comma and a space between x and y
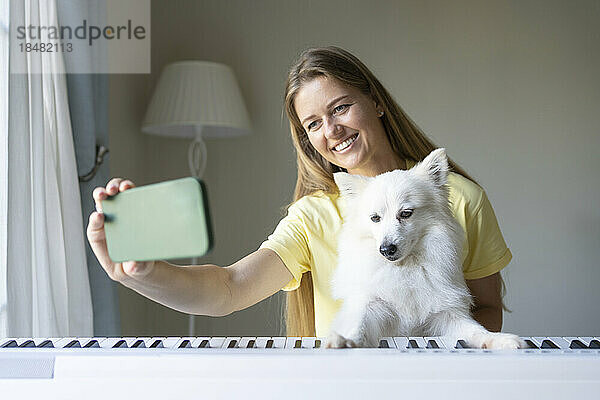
316, 173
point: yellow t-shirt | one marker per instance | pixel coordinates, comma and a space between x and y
306, 240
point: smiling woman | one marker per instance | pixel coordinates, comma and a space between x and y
343, 119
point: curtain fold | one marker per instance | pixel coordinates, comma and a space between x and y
48, 291
3, 159
88, 105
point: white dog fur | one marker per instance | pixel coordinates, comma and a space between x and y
416, 290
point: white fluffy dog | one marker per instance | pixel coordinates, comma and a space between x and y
399, 270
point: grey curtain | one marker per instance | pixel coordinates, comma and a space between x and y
88, 106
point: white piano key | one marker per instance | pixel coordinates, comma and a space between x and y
560, 342
401, 342
216, 342
170, 342
110, 342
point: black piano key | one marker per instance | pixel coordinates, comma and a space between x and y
298, 344
530, 344
121, 344
184, 344
412, 344
46, 343
461, 344
594, 344
73, 344
91, 343
432, 344
548, 344
27, 343
251, 344
383, 344
139, 344
204, 344
10, 343
317, 344
269, 344
577, 344
232, 344
157, 343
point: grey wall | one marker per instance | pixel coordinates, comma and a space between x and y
510, 88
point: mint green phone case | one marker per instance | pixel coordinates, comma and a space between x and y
162, 221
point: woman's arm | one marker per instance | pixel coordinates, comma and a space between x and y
488, 302
199, 289
256, 277
212, 290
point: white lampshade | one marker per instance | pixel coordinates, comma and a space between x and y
193, 96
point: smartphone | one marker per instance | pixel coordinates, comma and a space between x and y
161, 221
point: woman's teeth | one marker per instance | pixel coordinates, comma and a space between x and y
345, 143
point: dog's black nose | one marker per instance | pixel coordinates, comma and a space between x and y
388, 250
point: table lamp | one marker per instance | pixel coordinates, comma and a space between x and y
196, 100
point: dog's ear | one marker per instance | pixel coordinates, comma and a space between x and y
435, 166
349, 185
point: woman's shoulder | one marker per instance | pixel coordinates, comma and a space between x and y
465, 193
316, 202
318, 208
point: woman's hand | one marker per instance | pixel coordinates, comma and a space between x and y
97, 237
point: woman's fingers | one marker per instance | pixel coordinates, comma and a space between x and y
99, 194
97, 238
125, 184
114, 186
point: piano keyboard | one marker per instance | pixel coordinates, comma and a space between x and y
295, 367
438, 345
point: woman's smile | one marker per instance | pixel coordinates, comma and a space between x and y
345, 145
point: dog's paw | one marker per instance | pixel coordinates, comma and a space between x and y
498, 340
337, 341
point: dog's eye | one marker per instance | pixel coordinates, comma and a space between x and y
405, 213
375, 218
